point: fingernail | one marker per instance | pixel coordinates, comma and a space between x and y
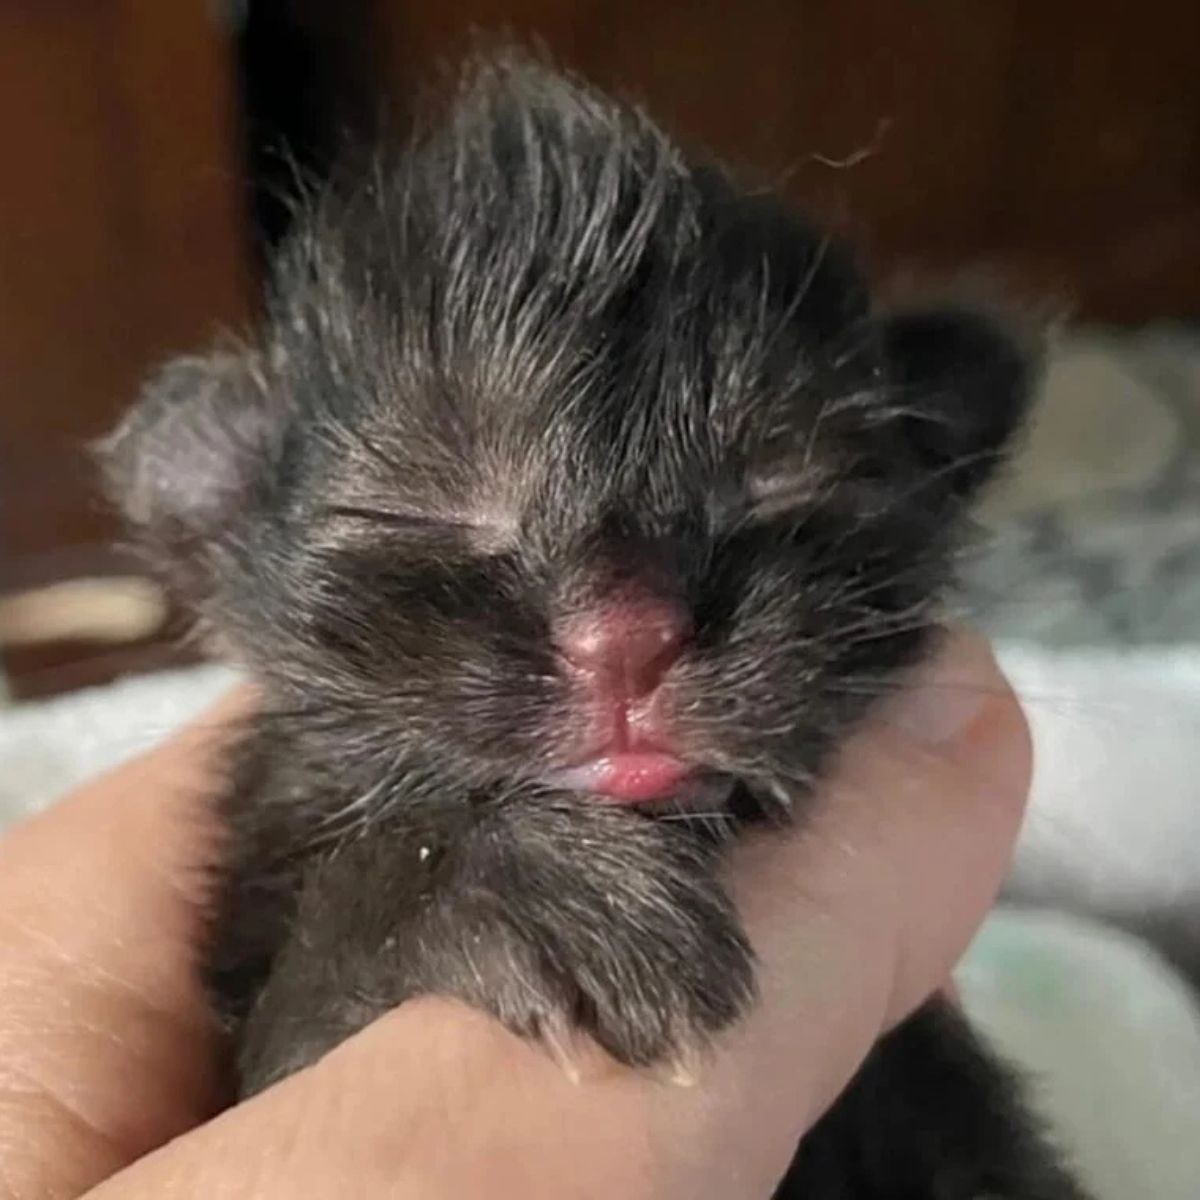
949, 693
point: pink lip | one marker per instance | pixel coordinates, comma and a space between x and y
627, 776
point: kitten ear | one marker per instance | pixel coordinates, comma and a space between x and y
966, 380
184, 462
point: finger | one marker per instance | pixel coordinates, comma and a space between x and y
437, 1101
862, 917
909, 840
434, 1102
106, 1049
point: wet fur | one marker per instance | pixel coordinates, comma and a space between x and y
537, 356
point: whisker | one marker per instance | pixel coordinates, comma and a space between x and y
716, 816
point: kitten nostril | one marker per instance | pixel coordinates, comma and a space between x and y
626, 645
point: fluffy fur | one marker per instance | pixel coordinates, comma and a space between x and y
539, 356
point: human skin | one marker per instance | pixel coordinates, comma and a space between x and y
110, 1069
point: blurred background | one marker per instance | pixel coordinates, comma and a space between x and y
147, 144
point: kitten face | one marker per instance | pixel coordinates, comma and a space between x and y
557, 450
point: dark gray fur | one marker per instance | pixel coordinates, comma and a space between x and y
536, 355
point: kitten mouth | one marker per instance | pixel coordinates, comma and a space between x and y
627, 776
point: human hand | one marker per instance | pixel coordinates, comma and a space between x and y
109, 1066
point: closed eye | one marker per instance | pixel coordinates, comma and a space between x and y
391, 519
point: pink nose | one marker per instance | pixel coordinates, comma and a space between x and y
626, 645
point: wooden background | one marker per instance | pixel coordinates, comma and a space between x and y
1060, 140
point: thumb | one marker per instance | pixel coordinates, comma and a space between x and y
861, 918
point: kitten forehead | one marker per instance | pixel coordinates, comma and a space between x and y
543, 292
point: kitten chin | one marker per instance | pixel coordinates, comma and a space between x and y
562, 462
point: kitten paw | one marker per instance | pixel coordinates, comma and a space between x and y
606, 923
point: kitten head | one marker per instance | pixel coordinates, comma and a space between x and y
559, 457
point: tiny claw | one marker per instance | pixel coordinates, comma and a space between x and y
560, 1046
683, 1070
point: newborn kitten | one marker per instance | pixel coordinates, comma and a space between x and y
570, 508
